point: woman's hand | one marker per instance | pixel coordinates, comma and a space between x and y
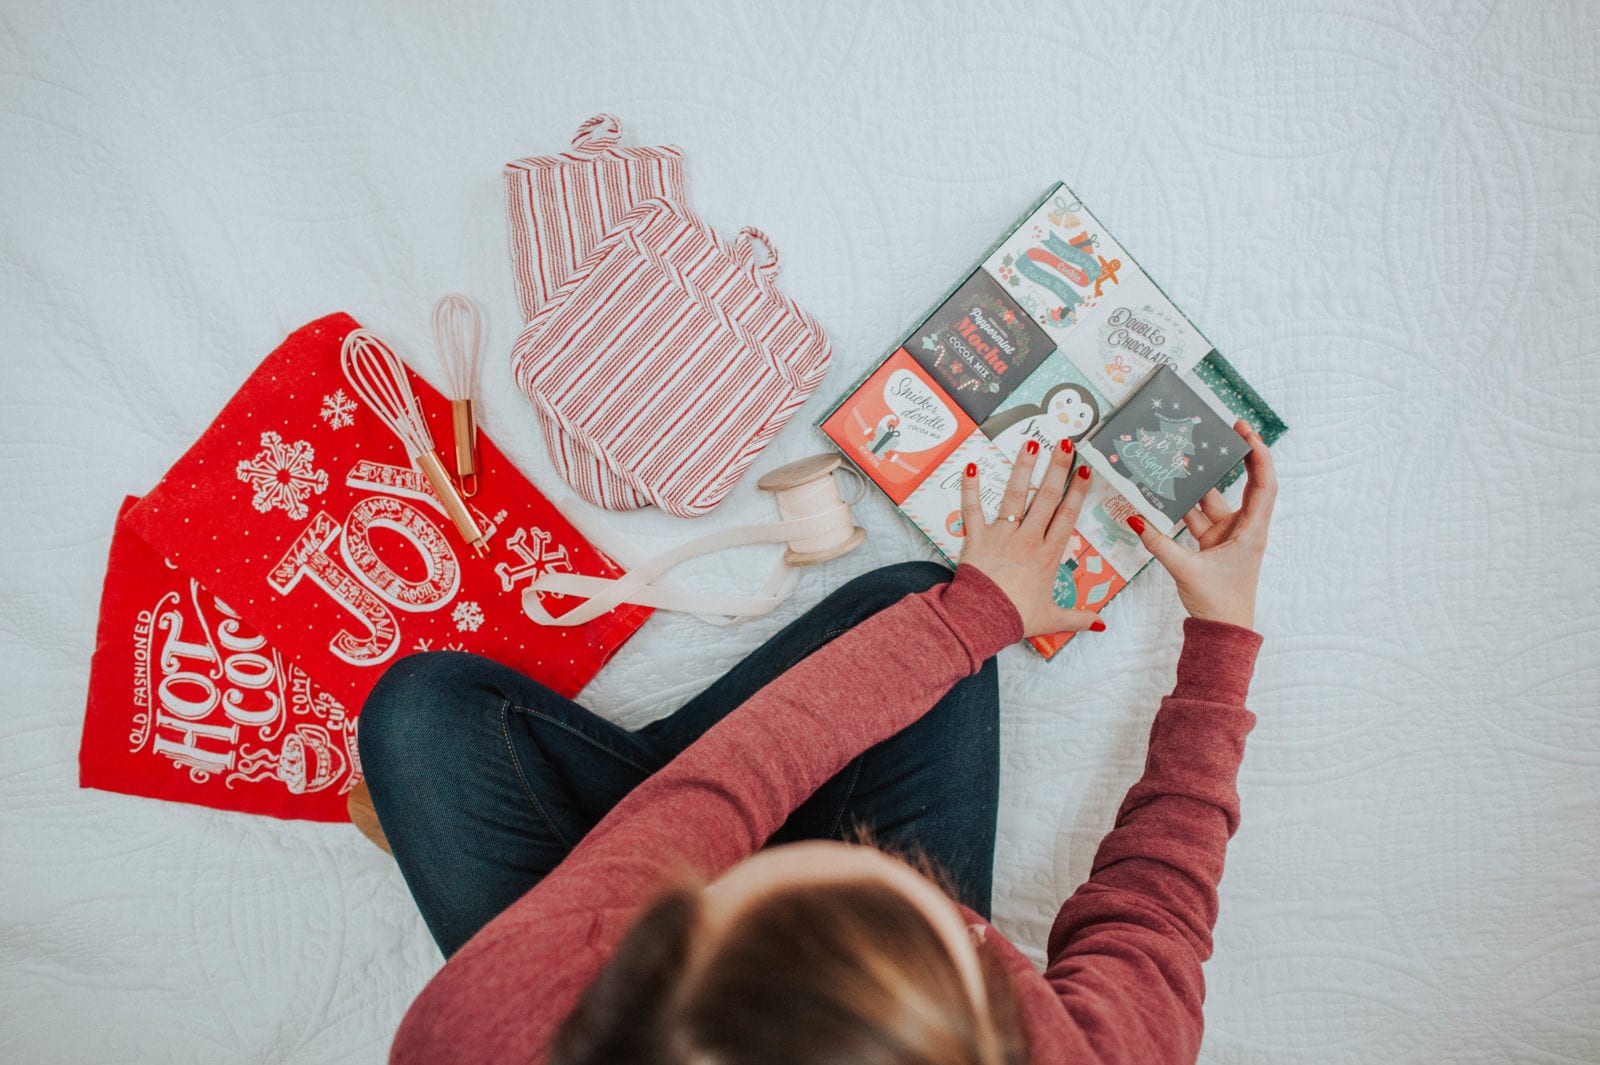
1218, 582
1022, 555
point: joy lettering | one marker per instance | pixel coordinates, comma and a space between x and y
366, 586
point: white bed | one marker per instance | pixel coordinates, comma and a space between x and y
1387, 216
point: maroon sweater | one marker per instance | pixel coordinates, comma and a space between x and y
1123, 981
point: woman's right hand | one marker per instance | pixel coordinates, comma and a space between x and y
1218, 581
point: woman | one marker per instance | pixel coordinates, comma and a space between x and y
683, 894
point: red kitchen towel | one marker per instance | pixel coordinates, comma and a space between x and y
190, 704
561, 206
301, 510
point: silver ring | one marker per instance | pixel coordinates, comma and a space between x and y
1011, 517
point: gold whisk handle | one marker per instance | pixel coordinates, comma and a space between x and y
464, 418
428, 462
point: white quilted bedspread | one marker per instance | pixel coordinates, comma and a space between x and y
1386, 214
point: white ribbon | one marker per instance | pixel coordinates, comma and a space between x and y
814, 519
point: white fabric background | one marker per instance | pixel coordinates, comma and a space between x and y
1386, 214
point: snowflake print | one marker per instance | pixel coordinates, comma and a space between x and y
538, 558
338, 409
282, 476
467, 615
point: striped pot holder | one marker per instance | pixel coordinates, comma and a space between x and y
561, 206
666, 362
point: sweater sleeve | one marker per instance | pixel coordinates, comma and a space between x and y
502, 996
1125, 950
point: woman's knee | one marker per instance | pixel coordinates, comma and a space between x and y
409, 710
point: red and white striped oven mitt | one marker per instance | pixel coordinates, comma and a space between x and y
660, 358
666, 362
561, 206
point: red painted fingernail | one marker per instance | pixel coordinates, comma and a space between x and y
1066, 446
1033, 447
1136, 523
1097, 626
1083, 471
972, 469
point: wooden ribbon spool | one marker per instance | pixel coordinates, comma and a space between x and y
788, 484
814, 522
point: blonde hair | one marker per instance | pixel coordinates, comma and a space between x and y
845, 974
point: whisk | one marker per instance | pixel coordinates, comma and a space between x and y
456, 331
379, 378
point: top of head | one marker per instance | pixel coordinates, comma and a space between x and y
847, 972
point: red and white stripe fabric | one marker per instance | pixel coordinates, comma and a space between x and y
561, 206
667, 362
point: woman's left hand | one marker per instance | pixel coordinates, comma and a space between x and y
1022, 548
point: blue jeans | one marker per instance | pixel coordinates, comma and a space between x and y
484, 779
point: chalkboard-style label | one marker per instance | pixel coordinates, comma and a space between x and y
1164, 448
978, 345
